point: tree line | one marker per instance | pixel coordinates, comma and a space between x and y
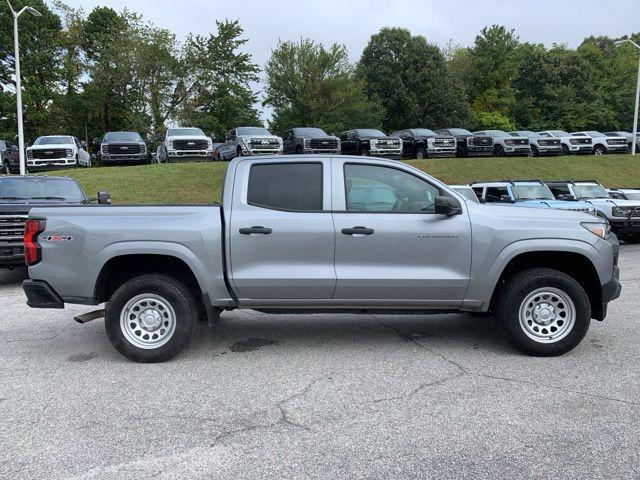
87, 73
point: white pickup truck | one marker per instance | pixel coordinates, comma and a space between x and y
316, 233
57, 151
184, 144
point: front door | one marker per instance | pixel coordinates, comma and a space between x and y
281, 237
392, 249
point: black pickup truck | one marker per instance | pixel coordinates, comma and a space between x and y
370, 142
19, 194
468, 144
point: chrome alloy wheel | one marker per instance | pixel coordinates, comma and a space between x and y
547, 315
148, 321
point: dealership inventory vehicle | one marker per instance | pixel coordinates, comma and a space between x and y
123, 148
571, 144
249, 141
628, 136
57, 151
9, 157
505, 144
184, 144
469, 144
18, 195
424, 143
541, 145
370, 141
603, 144
309, 140
316, 234
622, 215
624, 193
467, 192
527, 193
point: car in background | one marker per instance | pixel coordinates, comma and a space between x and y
424, 143
507, 145
19, 194
370, 142
184, 144
603, 144
123, 148
624, 193
540, 145
571, 144
469, 144
623, 215
9, 157
216, 150
467, 192
628, 136
249, 142
57, 151
527, 193
301, 140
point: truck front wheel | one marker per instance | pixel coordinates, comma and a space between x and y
151, 318
543, 312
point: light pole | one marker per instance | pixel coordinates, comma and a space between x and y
16, 45
635, 113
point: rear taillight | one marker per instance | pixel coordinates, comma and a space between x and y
32, 251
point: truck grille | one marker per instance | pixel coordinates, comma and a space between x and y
264, 142
12, 229
190, 144
324, 143
389, 143
123, 148
48, 153
580, 141
482, 141
520, 141
549, 142
617, 141
444, 142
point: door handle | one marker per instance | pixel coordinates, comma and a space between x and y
358, 231
255, 229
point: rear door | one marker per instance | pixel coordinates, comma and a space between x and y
280, 232
392, 249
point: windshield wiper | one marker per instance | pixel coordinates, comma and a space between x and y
12, 198
47, 198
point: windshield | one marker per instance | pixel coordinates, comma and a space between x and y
53, 141
310, 132
128, 136
524, 133
178, 132
370, 132
459, 131
632, 195
497, 133
467, 192
423, 132
62, 189
559, 133
532, 191
593, 133
253, 131
586, 191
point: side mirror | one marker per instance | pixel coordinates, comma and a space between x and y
447, 206
96, 141
160, 137
104, 198
83, 144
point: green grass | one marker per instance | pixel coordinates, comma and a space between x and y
201, 182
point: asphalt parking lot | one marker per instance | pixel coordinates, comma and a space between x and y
326, 396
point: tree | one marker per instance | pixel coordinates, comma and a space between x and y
411, 78
217, 90
310, 85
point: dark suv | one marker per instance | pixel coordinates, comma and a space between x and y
309, 140
424, 143
9, 158
123, 148
469, 144
370, 141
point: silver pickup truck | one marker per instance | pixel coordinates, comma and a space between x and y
320, 234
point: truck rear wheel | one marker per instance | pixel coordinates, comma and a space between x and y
543, 312
151, 318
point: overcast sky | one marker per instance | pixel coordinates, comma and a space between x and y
352, 22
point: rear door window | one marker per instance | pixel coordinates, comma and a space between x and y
286, 186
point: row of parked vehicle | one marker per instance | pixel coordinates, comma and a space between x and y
65, 151
620, 206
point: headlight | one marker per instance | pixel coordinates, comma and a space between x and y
622, 211
143, 148
306, 142
573, 141
599, 229
469, 140
338, 143
373, 142
430, 142
104, 148
69, 152
509, 142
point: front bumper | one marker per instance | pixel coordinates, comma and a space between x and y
330, 151
41, 295
479, 151
554, 150
517, 151
625, 226
51, 163
586, 149
253, 152
617, 148
395, 153
203, 154
441, 152
106, 158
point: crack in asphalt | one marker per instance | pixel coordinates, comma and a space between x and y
464, 371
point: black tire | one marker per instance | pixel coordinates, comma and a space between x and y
6, 169
364, 153
299, 150
514, 293
498, 151
630, 238
565, 150
534, 152
461, 151
599, 150
421, 154
175, 294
